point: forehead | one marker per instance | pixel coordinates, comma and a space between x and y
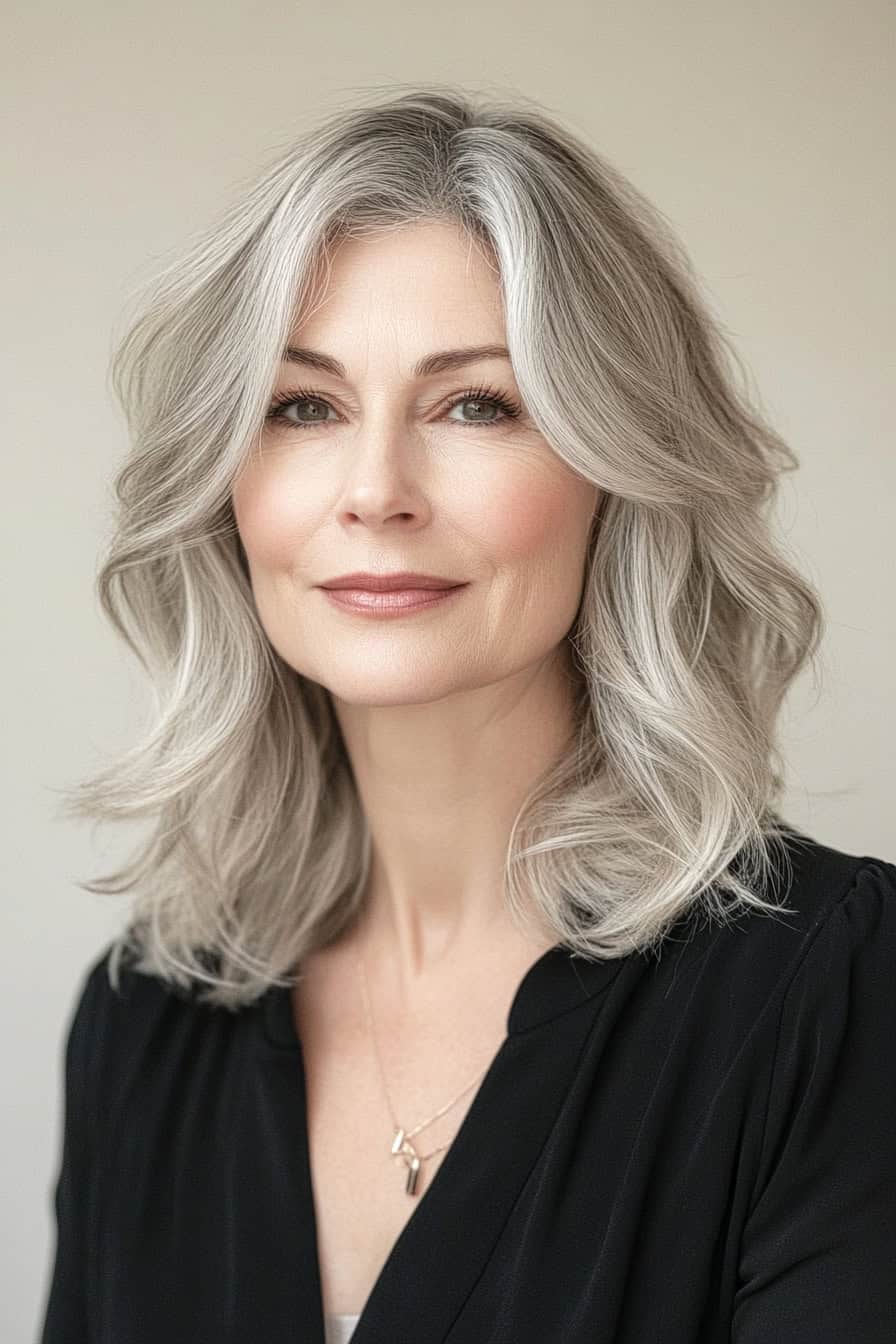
420, 287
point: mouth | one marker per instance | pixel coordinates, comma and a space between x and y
386, 583
392, 602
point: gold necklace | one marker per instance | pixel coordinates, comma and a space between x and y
401, 1142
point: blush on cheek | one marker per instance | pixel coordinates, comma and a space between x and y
270, 525
524, 516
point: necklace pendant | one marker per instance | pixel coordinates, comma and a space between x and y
398, 1142
410, 1187
406, 1150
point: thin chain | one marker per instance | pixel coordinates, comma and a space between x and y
407, 1134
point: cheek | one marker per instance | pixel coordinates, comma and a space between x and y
271, 520
530, 516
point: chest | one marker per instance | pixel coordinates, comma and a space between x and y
361, 1204
593, 1192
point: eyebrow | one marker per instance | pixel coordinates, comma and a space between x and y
442, 361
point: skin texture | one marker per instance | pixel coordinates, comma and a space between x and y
448, 715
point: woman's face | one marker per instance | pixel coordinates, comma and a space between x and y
383, 468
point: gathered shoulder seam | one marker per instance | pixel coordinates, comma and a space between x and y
822, 922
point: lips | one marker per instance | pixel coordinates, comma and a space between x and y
405, 581
391, 603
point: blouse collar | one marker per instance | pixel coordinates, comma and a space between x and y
560, 980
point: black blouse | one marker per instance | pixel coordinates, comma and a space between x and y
691, 1148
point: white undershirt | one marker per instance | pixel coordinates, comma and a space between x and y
339, 1329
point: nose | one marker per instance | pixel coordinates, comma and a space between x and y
383, 482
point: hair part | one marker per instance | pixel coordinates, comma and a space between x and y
692, 624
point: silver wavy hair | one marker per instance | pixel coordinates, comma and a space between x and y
692, 622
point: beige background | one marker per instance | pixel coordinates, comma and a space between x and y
762, 128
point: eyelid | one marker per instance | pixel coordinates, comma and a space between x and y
316, 394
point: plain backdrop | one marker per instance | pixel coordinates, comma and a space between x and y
763, 130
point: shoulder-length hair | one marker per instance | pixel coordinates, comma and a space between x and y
692, 622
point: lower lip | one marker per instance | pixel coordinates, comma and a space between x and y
401, 602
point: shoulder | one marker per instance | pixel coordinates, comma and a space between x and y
840, 955
747, 981
839, 952
132, 1032
832, 888
114, 995
830, 1100
828, 898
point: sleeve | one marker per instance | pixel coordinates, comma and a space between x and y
818, 1252
66, 1310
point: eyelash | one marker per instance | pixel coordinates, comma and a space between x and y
510, 410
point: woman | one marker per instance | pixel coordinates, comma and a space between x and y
474, 988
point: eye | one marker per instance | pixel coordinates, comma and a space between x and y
480, 397
488, 397
276, 412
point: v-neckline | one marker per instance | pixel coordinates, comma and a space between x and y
459, 1216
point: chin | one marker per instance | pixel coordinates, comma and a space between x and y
389, 690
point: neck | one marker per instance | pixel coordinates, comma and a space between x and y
441, 785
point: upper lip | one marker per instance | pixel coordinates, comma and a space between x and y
388, 583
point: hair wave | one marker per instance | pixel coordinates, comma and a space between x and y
692, 624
